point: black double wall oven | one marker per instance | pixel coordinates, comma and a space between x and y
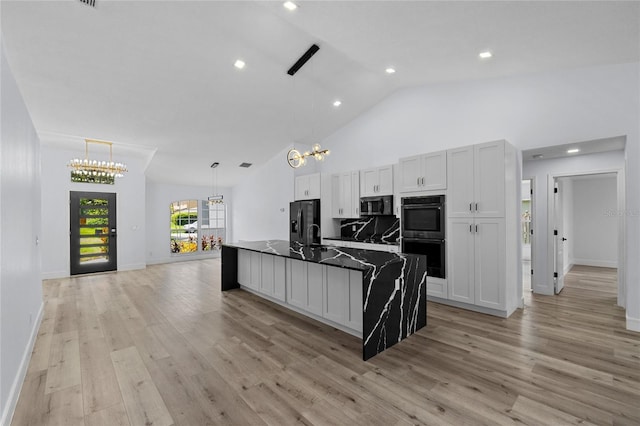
423, 231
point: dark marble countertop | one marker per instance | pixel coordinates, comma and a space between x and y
344, 257
372, 240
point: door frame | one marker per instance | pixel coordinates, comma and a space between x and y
113, 242
621, 201
532, 236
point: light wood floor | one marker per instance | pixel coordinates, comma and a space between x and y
163, 346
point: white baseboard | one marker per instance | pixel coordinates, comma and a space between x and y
567, 268
594, 262
54, 275
475, 308
185, 258
132, 267
633, 324
18, 380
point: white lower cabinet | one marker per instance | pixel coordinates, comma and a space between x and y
305, 281
249, 269
263, 273
330, 292
476, 252
273, 281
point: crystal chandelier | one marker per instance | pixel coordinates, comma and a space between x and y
87, 167
295, 159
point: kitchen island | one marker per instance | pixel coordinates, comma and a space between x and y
377, 296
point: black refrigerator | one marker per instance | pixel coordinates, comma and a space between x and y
304, 222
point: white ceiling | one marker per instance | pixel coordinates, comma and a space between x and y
158, 77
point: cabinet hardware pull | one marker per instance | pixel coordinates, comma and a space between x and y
476, 206
470, 229
476, 229
470, 208
418, 181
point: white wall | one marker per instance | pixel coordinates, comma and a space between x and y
595, 222
130, 202
20, 284
260, 207
158, 198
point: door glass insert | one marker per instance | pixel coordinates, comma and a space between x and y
93, 232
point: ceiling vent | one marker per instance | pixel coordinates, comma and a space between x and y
246, 165
303, 59
91, 3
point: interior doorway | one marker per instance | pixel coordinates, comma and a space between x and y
586, 227
92, 232
526, 221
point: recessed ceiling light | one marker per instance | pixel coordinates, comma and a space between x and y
390, 70
290, 5
337, 103
485, 55
239, 64
573, 151
537, 156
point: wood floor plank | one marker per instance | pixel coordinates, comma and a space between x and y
116, 415
64, 362
142, 400
99, 382
163, 345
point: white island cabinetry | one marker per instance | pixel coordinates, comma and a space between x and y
327, 292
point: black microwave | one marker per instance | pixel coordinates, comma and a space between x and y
376, 206
423, 217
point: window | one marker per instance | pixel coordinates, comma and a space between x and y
197, 226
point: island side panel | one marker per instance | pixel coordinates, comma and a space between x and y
229, 268
392, 314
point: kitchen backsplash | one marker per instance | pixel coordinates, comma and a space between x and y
371, 229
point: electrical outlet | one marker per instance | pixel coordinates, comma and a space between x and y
353, 228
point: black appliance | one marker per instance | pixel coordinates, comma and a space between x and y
433, 249
304, 222
376, 206
423, 217
423, 231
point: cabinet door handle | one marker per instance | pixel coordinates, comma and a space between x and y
470, 230
476, 206
476, 229
422, 181
470, 207
418, 181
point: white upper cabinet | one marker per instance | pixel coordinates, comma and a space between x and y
423, 172
345, 195
476, 179
376, 181
307, 187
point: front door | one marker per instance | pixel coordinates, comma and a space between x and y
93, 232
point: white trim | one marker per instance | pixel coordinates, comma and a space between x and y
570, 264
18, 381
54, 275
475, 308
619, 172
596, 262
132, 267
633, 324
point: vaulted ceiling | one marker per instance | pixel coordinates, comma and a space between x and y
157, 77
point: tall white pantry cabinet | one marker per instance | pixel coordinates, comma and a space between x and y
482, 226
